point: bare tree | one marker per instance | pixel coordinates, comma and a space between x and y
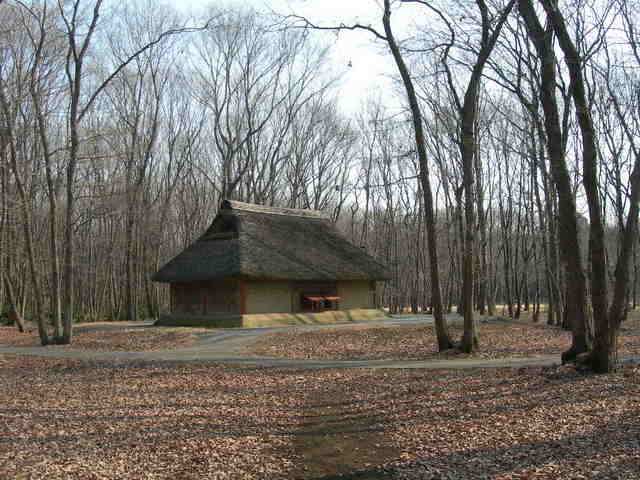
44, 73
467, 109
444, 341
568, 227
78, 35
13, 72
253, 80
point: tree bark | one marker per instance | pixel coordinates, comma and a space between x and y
567, 224
444, 341
27, 225
13, 313
606, 323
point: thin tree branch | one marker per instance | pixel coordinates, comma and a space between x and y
356, 26
133, 56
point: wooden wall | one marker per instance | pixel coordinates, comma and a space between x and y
204, 298
264, 296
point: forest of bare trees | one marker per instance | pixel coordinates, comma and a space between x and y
513, 173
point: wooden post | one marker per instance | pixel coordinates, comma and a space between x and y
242, 286
204, 293
13, 314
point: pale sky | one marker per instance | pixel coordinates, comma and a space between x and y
371, 64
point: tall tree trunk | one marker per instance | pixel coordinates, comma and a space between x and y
602, 360
567, 224
470, 337
37, 97
131, 308
14, 313
444, 341
27, 225
607, 321
69, 240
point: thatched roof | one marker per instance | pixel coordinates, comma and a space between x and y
254, 241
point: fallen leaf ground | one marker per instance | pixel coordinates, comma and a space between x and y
91, 338
69, 419
73, 419
497, 340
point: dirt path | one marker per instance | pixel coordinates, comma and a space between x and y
229, 346
335, 424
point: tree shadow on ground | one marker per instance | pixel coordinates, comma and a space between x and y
338, 431
619, 439
523, 460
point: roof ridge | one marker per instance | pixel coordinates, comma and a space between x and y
255, 208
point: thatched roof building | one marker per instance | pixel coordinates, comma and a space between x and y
267, 260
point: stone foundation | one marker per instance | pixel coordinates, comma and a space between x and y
257, 320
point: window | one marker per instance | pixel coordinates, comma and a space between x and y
318, 303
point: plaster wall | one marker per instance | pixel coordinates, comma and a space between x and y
355, 294
268, 296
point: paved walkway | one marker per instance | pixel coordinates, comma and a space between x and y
227, 346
